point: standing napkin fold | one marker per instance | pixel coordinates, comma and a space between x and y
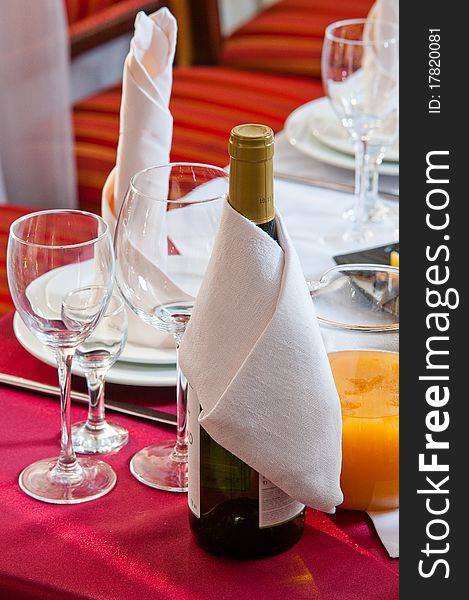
381, 65
146, 127
146, 124
253, 354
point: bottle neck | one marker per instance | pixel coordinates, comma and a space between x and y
252, 189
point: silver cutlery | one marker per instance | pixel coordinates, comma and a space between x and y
142, 412
331, 185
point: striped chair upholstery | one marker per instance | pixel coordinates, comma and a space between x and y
206, 103
93, 23
78, 10
287, 37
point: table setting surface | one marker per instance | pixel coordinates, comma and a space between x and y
137, 537
135, 541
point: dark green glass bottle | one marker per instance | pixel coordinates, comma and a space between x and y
235, 511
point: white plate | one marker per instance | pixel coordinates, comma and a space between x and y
125, 373
45, 295
148, 356
299, 132
328, 129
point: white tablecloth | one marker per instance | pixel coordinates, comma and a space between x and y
310, 212
288, 159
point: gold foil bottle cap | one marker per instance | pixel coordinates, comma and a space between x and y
251, 193
251, 142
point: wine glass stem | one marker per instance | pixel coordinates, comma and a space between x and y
180, 450
95, 381
67, 462
362, 183
371, 178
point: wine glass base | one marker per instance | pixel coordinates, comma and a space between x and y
110, 437
347, 238
155, 466
378, 213
95, 479
381, 213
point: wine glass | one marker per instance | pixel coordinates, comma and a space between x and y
163, 241
95, 356
50, 254
360, 62
376, 211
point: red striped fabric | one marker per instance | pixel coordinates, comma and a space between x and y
287, 37
206, 103
8, 214
81, 9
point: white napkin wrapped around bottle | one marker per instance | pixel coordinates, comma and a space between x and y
146, 126
254, 356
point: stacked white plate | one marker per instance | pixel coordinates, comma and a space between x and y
315, 130
137, 365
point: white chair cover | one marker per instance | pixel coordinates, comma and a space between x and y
37, 166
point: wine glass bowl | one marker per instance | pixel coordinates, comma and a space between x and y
163, 242
360, 61
51, 254
95, 356
60, 251
81, 310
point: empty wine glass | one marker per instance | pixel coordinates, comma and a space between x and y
376, 211
360, 62
50, 254
95, 356
163, 241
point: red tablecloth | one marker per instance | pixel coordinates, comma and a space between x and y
135, 542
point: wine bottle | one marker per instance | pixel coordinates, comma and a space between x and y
233, 510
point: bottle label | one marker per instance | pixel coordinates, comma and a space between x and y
193, 466
275, 506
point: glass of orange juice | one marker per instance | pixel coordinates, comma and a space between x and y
358, 312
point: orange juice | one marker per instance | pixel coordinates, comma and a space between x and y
368, 385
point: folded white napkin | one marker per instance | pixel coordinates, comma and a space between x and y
381, 65
146, 126
254, 356
385, 10
386, 523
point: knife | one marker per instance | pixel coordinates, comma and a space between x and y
142, 412
330, 185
